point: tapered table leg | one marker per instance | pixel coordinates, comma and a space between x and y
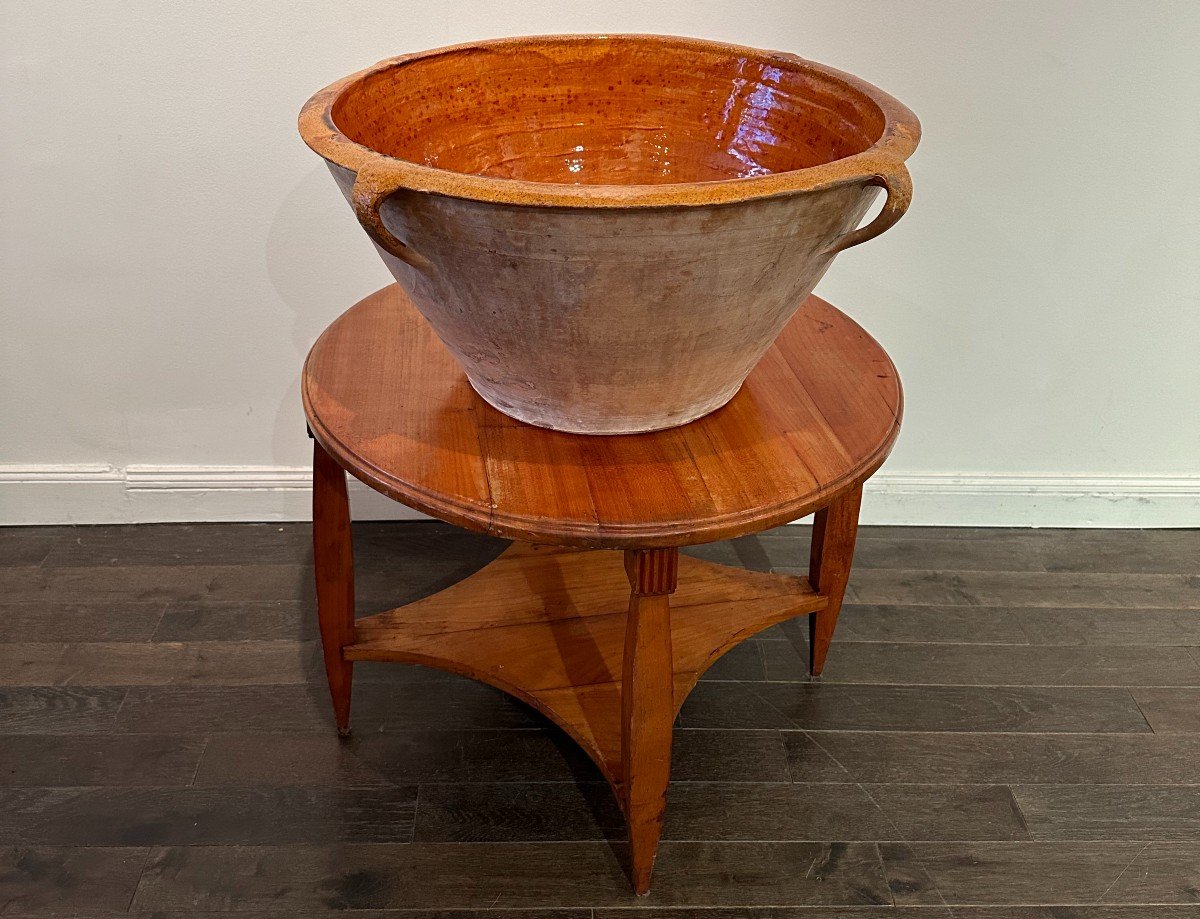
333, 562
834, 530
647, 704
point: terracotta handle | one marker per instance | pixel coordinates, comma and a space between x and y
898, 185
376, 182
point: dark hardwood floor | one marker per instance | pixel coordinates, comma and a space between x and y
1008, 728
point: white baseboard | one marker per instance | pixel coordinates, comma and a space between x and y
942, 499
172, 494
151, 494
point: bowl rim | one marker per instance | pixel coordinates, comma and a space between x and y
901, 133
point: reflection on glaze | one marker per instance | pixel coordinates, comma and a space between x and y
606, 113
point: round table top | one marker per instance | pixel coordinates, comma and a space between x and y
816, 417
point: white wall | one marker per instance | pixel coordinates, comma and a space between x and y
169, 249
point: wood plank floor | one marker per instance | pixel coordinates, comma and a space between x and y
1008, 728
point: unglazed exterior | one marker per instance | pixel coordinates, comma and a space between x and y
608, 232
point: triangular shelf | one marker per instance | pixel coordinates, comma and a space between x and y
547, 625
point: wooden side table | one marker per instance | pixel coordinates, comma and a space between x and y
606, 645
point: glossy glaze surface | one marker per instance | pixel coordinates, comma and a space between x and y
624, 112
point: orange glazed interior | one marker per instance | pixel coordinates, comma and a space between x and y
608, 111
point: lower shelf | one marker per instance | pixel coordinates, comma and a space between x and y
547, 625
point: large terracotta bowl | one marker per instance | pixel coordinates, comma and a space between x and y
608, 232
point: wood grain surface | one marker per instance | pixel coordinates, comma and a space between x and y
551, 626
815, 418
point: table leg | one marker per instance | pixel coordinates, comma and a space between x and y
333, 563
647, 704
834, 530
